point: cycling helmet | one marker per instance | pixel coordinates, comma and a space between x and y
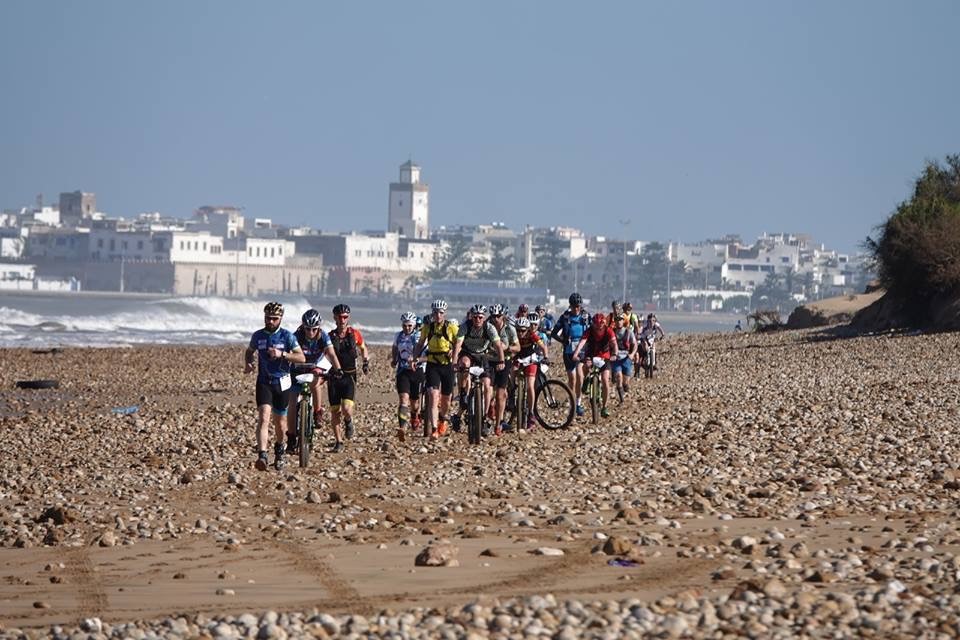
575, 299
599, 319
522, 309
650, 316
408, 318
311, 319
419, 322
478, 310
534, 318
540, 309
273, 309
497, 309
341, 309
439, 305
522, 323
627, 306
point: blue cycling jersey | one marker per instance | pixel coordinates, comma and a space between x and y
573, 326
406, 345
269, 371
312, 349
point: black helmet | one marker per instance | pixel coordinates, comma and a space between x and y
273, 309
575, 299
311, 319
341, 309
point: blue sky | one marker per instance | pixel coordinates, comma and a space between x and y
691, 119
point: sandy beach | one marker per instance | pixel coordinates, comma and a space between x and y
787, 483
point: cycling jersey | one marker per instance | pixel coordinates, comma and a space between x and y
508, 336
572, 327
346, 348
650, 330
625, 338
529, 341
440, 340
602, 345
269, 371
478, 340
313, 348
406, 344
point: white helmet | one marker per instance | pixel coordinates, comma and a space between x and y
522, 323
408, 318
478, 310
439, 305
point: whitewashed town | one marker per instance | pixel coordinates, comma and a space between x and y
223, 250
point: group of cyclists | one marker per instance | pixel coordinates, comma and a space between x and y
431, 356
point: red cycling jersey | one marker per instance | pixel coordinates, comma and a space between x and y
602, 344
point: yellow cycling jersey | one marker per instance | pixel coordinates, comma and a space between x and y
440, 340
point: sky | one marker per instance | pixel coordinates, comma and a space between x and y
684, 120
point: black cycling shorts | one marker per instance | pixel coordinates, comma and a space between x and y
478, 361
340, 389
270, 394
440, 376
501, 378
569, 363
409, 381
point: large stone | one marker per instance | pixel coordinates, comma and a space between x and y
437, 555
617, 546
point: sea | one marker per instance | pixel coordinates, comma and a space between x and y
40, 320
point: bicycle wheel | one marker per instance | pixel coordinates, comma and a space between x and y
476, 417
305, 430
594, 400
553, 406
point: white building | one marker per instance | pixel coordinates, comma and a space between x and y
409, 206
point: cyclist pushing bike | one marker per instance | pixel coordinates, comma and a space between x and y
510, 346
599, 342
570, 328
315, 344
474, 341
530, 343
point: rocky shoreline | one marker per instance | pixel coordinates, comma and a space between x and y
778, 484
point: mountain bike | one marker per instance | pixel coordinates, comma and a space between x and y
475, 404
305, 425
553, 404
593, 386
649, 357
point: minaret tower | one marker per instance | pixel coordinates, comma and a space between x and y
409, 204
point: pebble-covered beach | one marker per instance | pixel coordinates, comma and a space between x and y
789, 484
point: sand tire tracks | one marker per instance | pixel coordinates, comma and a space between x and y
91, 597
341, 593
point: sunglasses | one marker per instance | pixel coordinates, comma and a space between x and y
313, 328
273, 317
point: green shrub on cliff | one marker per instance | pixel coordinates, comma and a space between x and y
917, 252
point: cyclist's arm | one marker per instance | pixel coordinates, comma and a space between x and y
456, 348
295, 356
556, 333
248, 359
418, 350
331, 354
394, 355
583, 341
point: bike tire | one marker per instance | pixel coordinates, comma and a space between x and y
594, 403
305, 431
476, 420
554, 406
521, 404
